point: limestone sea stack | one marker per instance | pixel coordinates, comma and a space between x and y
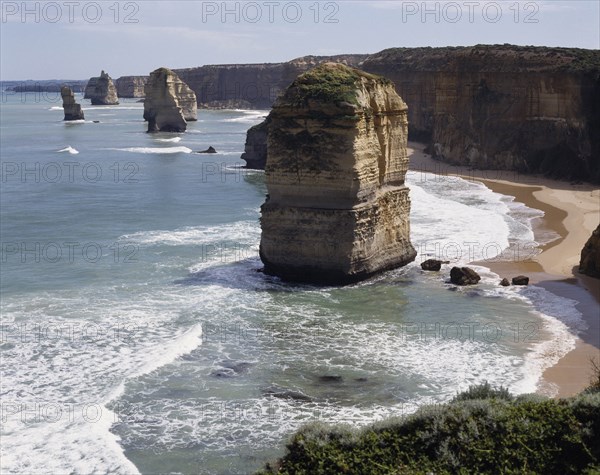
169, 102
72, 109
101, 91
337, 209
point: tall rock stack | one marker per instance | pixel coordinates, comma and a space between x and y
101, 91
338, 209
72, 109
169, 102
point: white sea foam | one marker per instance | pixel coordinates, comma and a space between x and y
155, 150
174, 139
87, 363
240, 231
462, 226
99, 108
70, 150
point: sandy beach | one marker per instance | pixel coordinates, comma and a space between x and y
573, 212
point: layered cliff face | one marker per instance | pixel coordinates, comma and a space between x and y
101, 91
72, 109
131, 86
255, 150
337, 210
590, 255
502, 107
169, 102
251, 85
530, 109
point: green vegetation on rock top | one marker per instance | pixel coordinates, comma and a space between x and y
328, 83
483, 430
499, 58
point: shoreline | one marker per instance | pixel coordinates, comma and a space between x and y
572, 212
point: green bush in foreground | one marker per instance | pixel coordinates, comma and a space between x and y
483, 430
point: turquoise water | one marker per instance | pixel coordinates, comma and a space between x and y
138, 335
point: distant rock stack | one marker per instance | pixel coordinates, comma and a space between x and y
590, 255
169, 102
337, 209
101, 91
72, 109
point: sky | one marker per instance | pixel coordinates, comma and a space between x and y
75, 39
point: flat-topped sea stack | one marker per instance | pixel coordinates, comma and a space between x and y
101, 91
337, 210
72, 109
169, 102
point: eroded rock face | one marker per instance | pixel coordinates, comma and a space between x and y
131, 86
243, 86
101, 91
169, 102
337, 210
255, 150
590, 255
72, 109
503, 107
522, 109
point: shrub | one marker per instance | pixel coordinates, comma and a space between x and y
483, 430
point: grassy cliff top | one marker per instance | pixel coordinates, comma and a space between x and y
483, 430
329, 83
487, 58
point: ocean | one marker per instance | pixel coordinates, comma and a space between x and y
138, 335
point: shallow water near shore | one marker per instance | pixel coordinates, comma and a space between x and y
138, 334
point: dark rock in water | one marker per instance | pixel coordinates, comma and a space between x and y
239, 367
464, 276
101, 91
72, 109
504, 282
361, 380
255, 150
590, 255
231, 369
208, 150
96, 121
520, 280
433, 264
330, 379
223, 373
283, 393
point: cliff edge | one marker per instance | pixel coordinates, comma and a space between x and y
504, 107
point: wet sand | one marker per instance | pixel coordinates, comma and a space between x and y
573, 212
